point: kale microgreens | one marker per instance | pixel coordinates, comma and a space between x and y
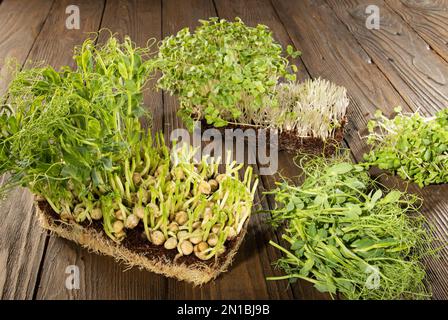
412, 146
213, 68
348, 235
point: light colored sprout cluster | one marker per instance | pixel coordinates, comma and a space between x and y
177, 202
311, 108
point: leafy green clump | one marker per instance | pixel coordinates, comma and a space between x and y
74, 137
67, 129
414, 147
346, 235
213, 67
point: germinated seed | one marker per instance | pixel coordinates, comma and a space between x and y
196, 225
200, 255
157, 237
119, 215
139, 212
204, 187
181, 217
186, 247
220, 177
96, 214
232, 233
153, 209
131, 221
173, 227
178, 173
171, 243
216, 228
137, 178
213, 184
118, 226
120, 235
182, 234
202, 246
212, 239
195, 239
78, 210
65, 215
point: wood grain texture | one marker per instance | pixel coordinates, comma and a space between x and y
252, 262
142, 21
54, 46
21, 246
20, 22
328, 50
418, 73
177, 15
21, 241
102, 277
254, 12
331, 52
428, 18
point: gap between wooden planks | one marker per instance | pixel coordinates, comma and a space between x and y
333, 52
22, 242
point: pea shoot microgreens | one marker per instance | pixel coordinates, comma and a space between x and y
74, 138
348, 235
412, 146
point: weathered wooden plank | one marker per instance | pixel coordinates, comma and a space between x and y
328, 49
102, 277
419, 74
250, 267
254, 12
21, 243
330, 52
20, 22
428, 18
426, 90
21, 246
177, 15
54, 46
142, 21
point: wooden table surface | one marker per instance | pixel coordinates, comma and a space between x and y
404, 63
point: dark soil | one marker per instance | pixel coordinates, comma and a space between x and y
291, 142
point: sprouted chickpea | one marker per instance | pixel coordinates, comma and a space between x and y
131, 221
186, 247
181, 217
213, 184
157, 237
170, 243
96, 214
139, 212
118, 226
212, 240
120, 215
204, 187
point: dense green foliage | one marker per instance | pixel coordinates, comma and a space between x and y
74, 138
412, 146
347, 235
213, 68
74, 125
